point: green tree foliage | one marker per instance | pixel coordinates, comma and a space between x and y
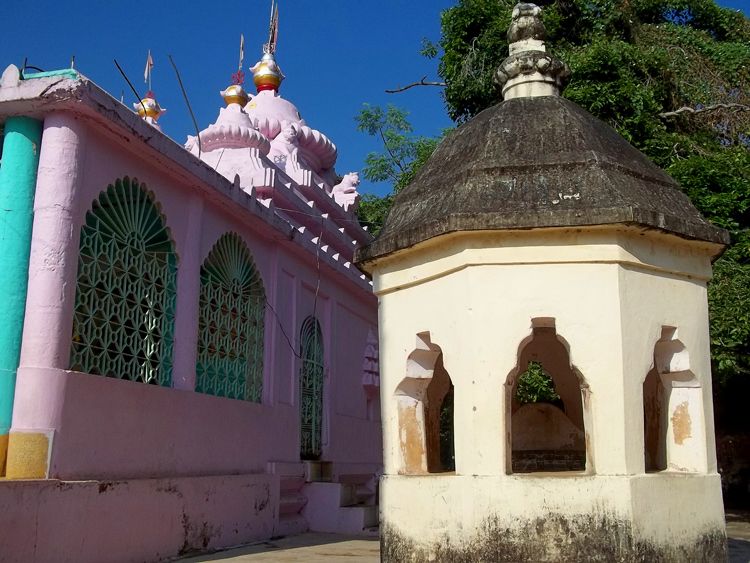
372, 211
403, 155
535, 386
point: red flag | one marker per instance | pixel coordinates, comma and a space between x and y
273, 31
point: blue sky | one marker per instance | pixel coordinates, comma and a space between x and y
336, 54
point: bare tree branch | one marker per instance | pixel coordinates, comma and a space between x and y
423, 82
732, 107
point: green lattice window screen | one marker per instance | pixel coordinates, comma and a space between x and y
231, 323
123, 320
311, 389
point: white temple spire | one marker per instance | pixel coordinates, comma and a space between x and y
529, 71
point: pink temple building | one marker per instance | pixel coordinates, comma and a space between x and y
197, 360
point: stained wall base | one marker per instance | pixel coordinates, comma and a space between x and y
452, 519
132, 520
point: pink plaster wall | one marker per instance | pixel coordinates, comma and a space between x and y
135, 521
105, 428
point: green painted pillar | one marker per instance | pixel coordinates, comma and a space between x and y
18, 170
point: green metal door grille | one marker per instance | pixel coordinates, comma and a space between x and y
311, 389
231, 323
123, 320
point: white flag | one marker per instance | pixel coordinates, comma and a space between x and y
242, 49
149, 66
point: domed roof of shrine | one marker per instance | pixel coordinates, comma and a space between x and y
233, 128
535, 160
268, 110
270, 113
254, 121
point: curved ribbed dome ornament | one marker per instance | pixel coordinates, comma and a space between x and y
230, 264
529, 71
231, 327
123, 319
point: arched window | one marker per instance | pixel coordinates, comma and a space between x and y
674, 426
425, 411
546, 414
231, 323
311, 389
123, 319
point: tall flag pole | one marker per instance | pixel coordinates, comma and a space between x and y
147, 71
239, 76
273, 29
266, 73
242, 51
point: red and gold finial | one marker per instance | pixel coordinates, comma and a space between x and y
266, 73
235, 93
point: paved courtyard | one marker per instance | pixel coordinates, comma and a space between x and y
325, 548
308, 548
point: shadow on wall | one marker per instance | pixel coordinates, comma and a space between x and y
674, 429
425, 411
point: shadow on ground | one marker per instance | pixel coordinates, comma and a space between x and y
324, 548
309, 548
738, 531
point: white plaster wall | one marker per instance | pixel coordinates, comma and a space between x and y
649, 302
610, 291
477, 293
479, 315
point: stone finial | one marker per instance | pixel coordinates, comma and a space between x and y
235, 94
11, 77
529, 71
149, 109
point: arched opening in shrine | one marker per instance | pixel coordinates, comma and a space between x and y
674, 434
425, 412
546, 415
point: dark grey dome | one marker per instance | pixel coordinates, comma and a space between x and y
533, 163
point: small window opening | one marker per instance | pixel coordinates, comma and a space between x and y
546, 415
674, 427
425, 412
447, 444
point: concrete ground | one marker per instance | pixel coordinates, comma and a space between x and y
312, 547
324, 548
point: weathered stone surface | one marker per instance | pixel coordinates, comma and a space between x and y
531, 163
556, 537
